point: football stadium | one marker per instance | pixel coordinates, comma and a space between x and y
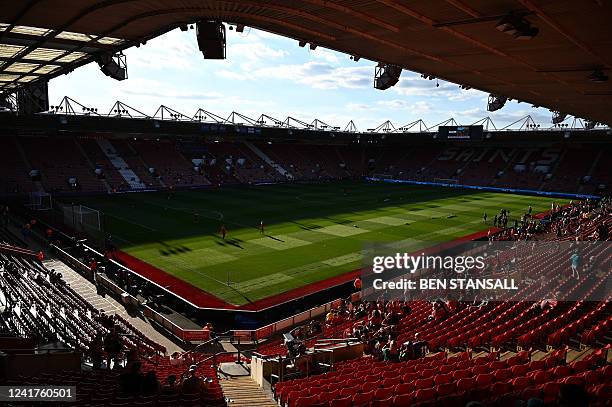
293, 243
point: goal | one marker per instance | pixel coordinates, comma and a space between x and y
84, 219
39, 201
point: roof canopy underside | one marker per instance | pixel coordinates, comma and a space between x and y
454, 40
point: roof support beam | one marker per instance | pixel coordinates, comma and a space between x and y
432, 23
55, 43
464, 7
34, 61
553, 24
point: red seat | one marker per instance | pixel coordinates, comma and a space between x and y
383, 403
541, 377
293, 396
592, 377
348, 392
581, 366
426, 373
446, 389
382, 394
500, 388
498, 364
402, 400
306, 401
562, 371
446, 369
363, 399
531, 393
466, 384
425, 394
404, 388
480, 361
343, 402
521, 383
480, 369
370, 386
551, 390
410, 377
537, 365
484, 380
520, 370
578, 380
391, 382
461, 374
443, 378
503, 374
424, 383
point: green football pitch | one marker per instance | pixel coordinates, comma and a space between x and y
312, 232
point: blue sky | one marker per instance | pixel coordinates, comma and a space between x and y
266, 73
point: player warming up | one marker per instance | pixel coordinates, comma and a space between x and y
261, 227
223, 231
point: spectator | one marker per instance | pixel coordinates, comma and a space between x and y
150, 384
113, 346
97, 352
170, 386
575, 260
193, 384
572, 395
130, 381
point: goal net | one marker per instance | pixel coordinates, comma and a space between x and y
84, 219
39, 201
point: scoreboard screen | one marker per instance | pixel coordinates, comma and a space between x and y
460, 132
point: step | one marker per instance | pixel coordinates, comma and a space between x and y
243, 391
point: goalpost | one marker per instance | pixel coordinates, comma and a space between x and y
84, 219
39, 201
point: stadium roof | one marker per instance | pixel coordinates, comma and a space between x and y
455, 40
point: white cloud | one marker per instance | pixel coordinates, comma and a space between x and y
327, 56
318, 75
359, 106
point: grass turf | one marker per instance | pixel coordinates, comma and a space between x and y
312, 232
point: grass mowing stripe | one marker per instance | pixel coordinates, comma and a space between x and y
314, 225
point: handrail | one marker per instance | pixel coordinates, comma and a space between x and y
206, 359
338, 339
208, 342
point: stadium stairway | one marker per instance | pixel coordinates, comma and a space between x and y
242, 391
92, 166
268, 160
111, 307
121, 165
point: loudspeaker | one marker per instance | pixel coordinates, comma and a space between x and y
33, 98
211, 39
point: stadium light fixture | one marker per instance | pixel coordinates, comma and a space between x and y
496, 102
386, 75
598, 76
517, 27
313, 46
558, 117
113, 66
302, 43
